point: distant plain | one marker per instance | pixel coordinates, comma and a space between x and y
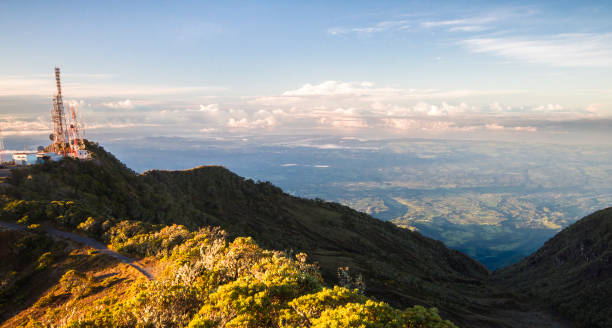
495, 201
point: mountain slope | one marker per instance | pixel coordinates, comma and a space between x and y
201, 280
33, 265
572, 272
401, 267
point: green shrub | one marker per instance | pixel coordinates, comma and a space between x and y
45, 260
77, 283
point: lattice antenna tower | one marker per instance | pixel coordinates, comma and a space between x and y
76, 133
60, 132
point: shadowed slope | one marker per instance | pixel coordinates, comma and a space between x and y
572, 272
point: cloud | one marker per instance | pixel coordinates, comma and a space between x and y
244, 123
274, 100
494, 126
465, 24
333, 106
561, 50
12, 125
419, 125
548, 108
468, 28
442, 109
259, 120
364, 106
438, 126
525, 128
599, 109
399, 123
497, 107
241, 123
120, 125
210, 108
97, 76
416, 22
86, 85
345, 123
498, 127
368, 89
382, 26
334, 88
21, 85
121, 104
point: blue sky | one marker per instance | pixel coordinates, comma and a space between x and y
463, 69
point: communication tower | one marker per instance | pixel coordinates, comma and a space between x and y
68, 133
76, 132
60, 133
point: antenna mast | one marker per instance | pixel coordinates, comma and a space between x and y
60, 133
75, 131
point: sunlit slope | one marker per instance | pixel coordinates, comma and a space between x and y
399, 266
200, 279
45, 277
572, 271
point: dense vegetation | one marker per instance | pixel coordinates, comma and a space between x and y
23, 254
572, 271
207, 280
36, 269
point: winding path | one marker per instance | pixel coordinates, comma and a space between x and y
85, 241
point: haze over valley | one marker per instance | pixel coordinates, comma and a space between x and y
495, 201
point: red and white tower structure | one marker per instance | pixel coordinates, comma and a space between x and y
68, 133
60, 133
76, 132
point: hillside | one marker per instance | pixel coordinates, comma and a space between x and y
399, 266
572, 272
201, 280
36, 273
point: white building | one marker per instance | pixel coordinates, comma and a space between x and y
25, 158
80, 154
31, 158
50, 155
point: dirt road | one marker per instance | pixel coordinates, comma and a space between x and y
100, 247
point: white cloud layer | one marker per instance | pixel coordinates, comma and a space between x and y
562, 50
378, 27
417, 22
359, 108
90, 86
365, 89
121, 104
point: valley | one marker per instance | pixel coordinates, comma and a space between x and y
495, 201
